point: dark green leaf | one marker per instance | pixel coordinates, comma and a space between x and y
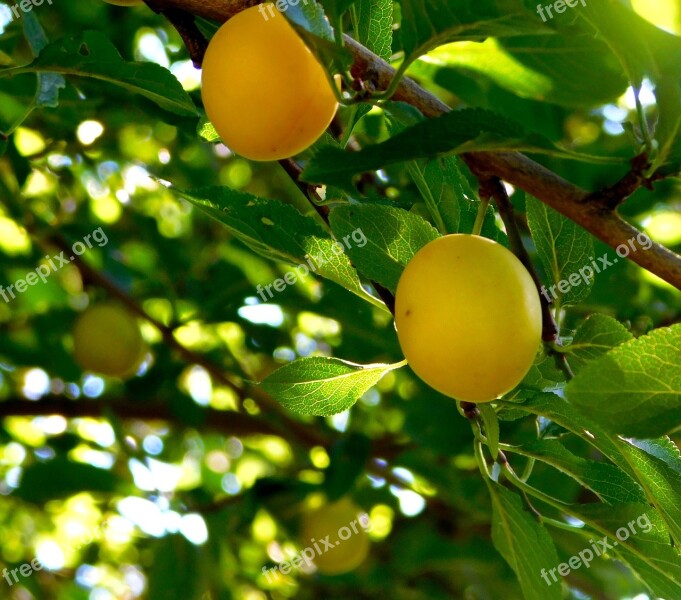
611, 484
465, 130
427, 24
575, 70
92, 55
61, 478
312, 25
349, 457
279, 232
648, 549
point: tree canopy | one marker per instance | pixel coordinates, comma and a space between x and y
267, 398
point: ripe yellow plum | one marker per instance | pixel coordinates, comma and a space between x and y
468, 317
345, 525
264, 91
107, 340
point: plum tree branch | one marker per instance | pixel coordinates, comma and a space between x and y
493, 188
595, 212
242, 390
226, 422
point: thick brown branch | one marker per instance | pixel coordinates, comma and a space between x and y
515, 168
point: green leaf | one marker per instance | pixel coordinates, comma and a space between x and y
525, 544
394, 237
177, 566
427, 24
649, 553
563, 413
543, 376
279, 232
439, 181
661, 483
322, 386
335, 8
594, 337
663, 448
375, 21
313, 27
206, 130
607, 481
645, 51
655, 466
309, 16
634, 389
91, 55
61, 478
573, 71
49, 84
565, 250
465, 130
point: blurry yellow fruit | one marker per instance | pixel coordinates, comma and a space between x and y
264, 91
107, 340
345, 525
468, 317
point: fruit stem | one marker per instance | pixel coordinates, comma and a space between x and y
532, 491
480, 458
480, 218
565, 527
528, 469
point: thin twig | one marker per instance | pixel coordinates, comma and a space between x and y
185, 24
612, 196
491, 187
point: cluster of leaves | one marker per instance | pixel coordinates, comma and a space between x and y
594, 450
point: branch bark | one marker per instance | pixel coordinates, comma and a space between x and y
226, 422
598, 218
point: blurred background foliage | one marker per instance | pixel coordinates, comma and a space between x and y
120, 503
